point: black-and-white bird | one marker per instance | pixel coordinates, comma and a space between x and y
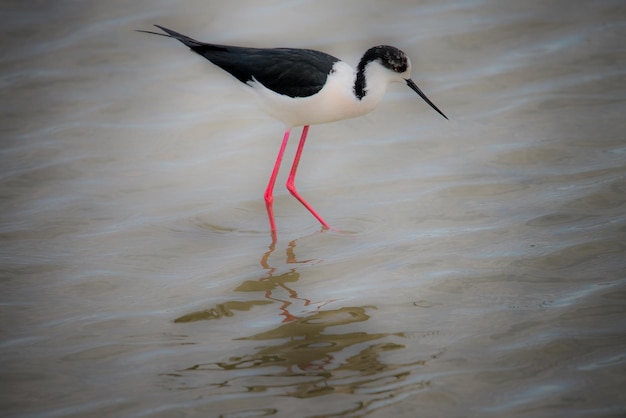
303, 87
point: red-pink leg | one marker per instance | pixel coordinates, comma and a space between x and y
291, 186
269, 191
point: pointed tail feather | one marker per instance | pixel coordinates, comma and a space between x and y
190, 42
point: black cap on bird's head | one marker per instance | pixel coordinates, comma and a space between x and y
398, 62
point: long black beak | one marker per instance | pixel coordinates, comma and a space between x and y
417, 90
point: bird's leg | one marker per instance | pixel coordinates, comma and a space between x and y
291, 186
269, 192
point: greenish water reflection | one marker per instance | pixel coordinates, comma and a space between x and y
315, 353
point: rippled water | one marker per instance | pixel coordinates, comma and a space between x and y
480, 266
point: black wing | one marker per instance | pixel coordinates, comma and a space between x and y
289, 71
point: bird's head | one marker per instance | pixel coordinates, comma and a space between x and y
398, 66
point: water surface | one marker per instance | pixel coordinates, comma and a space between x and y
476, 269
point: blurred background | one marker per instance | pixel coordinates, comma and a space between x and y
476, 267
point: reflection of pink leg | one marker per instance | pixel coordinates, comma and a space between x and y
292, 178
269, 192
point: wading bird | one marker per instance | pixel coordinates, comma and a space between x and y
302, 87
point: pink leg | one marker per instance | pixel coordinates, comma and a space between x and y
269, 192
292, 178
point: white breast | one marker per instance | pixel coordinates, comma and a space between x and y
336, 101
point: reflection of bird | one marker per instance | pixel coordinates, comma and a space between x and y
302, 87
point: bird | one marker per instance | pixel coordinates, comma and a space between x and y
303, 87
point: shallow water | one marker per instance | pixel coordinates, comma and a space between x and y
476, 269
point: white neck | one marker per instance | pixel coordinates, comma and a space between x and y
336, 101
377, 78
